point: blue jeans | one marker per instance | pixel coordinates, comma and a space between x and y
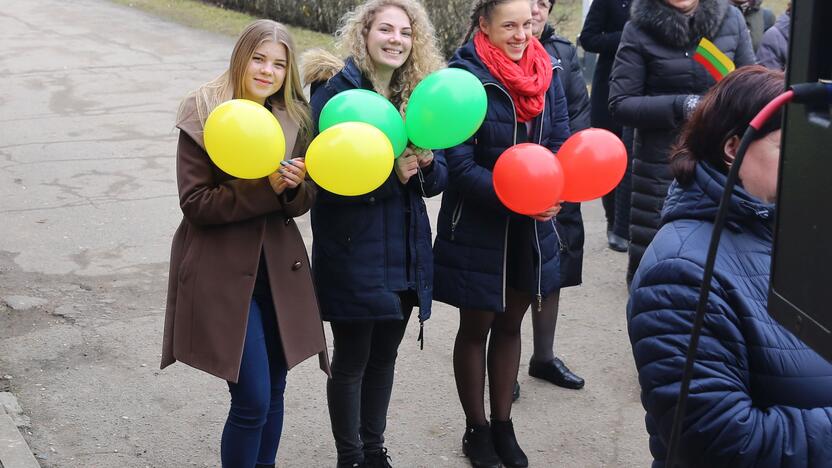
255, 421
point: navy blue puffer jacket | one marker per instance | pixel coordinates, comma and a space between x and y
759, 396
472, 228
368, 248
570, 223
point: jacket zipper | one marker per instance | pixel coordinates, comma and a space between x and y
534, 224
455, 217
561, 244
539, 267
505, 236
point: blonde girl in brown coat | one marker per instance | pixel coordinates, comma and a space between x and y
241, 304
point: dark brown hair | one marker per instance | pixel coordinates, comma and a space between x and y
725, 111
481, 8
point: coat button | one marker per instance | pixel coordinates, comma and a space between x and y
296, 266
372, 200
288, 221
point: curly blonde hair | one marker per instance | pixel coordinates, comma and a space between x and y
424, 56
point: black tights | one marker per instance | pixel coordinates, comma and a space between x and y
503, 357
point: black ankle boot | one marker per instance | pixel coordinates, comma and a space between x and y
478, 446
505, 444
260, 465
377, 459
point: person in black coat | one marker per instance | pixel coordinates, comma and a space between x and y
656, 83
570, 226
601, 34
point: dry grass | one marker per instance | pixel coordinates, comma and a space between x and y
567, 16
213, 18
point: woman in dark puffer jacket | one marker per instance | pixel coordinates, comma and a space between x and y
656, 83
759, 396
492, 263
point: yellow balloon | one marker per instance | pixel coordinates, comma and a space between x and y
244, 139
352, 158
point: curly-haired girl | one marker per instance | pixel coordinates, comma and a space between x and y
372, 258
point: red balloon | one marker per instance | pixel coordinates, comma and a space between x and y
528, 179
594, 161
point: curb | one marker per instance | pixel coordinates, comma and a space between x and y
14, 451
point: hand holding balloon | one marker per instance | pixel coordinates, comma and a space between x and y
424, 157
548, 214
406, 165
289, 176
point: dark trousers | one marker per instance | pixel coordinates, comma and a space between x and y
363, 364
255, 421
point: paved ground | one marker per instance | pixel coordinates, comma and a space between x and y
87, 196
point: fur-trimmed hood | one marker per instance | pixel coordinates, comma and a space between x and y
319, 65
675, 28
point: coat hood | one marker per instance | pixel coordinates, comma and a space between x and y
783, 25
700, 201
675, 28
320, 66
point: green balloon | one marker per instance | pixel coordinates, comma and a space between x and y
445, 109
361, 105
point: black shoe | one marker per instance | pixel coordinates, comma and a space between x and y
515, 394
617, 243
555, 371
505, 443
260, 465
478, 446
377, 459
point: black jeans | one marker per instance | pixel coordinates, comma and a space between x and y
358, 394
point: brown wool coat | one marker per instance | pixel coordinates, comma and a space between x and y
215, 254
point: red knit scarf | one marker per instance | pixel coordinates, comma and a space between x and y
527, 80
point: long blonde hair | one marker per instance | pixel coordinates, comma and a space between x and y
229, 85
424, 55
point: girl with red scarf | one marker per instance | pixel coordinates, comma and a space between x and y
489, 262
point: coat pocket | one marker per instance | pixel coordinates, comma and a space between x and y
193, 247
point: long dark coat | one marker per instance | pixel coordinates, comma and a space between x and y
654, 73
215, 255
601, 34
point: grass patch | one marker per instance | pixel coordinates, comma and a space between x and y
567, 17
209, 17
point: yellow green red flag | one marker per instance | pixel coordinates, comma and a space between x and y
717, 63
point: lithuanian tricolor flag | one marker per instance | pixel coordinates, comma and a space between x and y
717, 63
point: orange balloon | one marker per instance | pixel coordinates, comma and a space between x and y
528, 179
594, 161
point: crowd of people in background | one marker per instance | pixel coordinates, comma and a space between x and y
246, 305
